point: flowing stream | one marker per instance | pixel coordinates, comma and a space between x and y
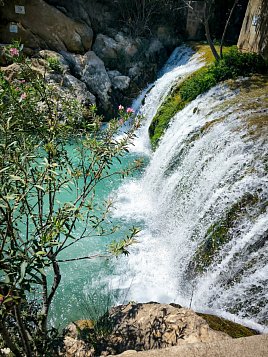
201, 203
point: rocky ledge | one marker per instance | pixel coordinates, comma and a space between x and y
143, 327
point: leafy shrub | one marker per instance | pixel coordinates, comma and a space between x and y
232, 65
38, 220
243, 64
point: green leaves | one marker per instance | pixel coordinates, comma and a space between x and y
53, 156
121, 247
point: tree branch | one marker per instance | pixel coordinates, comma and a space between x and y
84, 258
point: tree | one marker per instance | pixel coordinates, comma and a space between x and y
49, 146
139, 15
208, 12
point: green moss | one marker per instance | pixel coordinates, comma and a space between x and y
170, 107
231, 328
204, 50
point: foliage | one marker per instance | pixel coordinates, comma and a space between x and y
232, 65
96, 308
54, 64
50, 146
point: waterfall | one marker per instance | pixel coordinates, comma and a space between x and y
182, 62
202, 204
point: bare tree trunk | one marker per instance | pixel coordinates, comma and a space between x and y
210, 42
22, 332
226, 26
204, 21
47, 299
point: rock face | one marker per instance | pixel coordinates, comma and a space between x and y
96, 78
118, 80
142, 327
246, 347
254, 33
44, 26
60, 26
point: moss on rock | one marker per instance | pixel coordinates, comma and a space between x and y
231, 328
219, 233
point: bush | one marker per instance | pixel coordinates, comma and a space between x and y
243, 64
232, 65
38, 219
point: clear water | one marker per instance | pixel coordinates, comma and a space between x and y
191, 181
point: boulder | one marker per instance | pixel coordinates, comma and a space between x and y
94, 75
44, 26
11, 71
106, 47
75, 63
136, 70
47, 55
115, 52
98, 14
79, 11
118, 80
152, 326
143, 327
78, 89
155, 48
63, 80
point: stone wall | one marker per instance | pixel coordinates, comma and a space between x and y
254, 33
194, 25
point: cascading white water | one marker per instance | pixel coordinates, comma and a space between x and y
181, 63
202, 202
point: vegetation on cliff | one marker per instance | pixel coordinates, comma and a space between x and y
232, 65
